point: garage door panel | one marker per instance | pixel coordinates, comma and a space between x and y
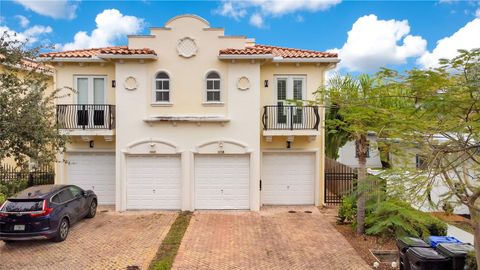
93, 171
288, 178
222, 181
154, 182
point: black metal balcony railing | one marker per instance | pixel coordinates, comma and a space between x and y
86, 116
289, 117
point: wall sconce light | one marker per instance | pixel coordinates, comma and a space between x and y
92, 144
265, 83
114, 83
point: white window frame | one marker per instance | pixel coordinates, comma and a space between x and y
212, 102
155, 90
90, 94
290, 79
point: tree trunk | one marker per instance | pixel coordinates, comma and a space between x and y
362, 146
475, 219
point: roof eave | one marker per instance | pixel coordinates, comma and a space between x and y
70, 59
306, 60
247, 57
128, 56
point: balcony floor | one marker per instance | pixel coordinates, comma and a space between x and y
307, 132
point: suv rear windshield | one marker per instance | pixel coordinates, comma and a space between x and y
22, 206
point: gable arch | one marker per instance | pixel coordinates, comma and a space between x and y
152, 146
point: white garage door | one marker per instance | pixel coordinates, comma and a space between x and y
222, 181
154, 182
288, 178
94, 171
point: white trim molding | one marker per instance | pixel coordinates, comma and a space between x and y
152, 146
222, 146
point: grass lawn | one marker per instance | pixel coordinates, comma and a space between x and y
169, 247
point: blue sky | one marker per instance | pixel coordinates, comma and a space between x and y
382, 33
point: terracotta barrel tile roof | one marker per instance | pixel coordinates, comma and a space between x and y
89, 53
278, 52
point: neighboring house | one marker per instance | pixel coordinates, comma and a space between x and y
25, 66
347, 154
188, 118
412, 158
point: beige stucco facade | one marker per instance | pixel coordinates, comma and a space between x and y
187, 126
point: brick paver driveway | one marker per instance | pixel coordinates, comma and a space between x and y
271, 239
108, 241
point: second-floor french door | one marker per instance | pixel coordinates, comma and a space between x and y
288, 89
90, 95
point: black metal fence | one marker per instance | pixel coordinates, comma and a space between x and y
86, 116
43, 175
339, 181
288, 117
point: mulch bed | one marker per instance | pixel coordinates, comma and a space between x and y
363, 244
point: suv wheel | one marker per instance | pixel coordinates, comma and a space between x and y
92, 210
62, 231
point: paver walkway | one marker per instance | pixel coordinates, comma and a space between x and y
108, 241
270, 239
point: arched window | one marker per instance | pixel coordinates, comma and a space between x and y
162, 87
213, 85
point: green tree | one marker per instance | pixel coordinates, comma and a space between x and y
442, 123
361, 107
27, 110
335, 137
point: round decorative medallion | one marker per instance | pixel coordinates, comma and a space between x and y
243, 83
131, 83
187, 47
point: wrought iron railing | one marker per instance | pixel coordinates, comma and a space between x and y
289, 117
86, 116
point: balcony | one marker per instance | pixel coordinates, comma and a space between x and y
86, 119
290, 120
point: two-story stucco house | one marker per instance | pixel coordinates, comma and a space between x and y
188, 118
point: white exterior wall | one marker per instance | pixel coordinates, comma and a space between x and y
240, 135
346, 154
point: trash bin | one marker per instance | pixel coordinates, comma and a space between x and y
456, 252
421, 258
403, 244
435, 240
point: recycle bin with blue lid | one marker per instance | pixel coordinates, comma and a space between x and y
435, 240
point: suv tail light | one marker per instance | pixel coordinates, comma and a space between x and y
46, 211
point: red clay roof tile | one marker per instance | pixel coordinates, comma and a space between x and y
277, 52
89, 53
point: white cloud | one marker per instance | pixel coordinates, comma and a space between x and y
32, 34
229, 10
111, 27
257, 20
57, 9
466, 38
374, 43
22, 20
272, 8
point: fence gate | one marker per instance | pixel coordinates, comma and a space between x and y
43, 175
339, 181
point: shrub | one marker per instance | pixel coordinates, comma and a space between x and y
348, 209
396, 218
9, 188
3, 198
471, 261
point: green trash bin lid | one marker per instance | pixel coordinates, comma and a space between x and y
412, 242
454, 250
